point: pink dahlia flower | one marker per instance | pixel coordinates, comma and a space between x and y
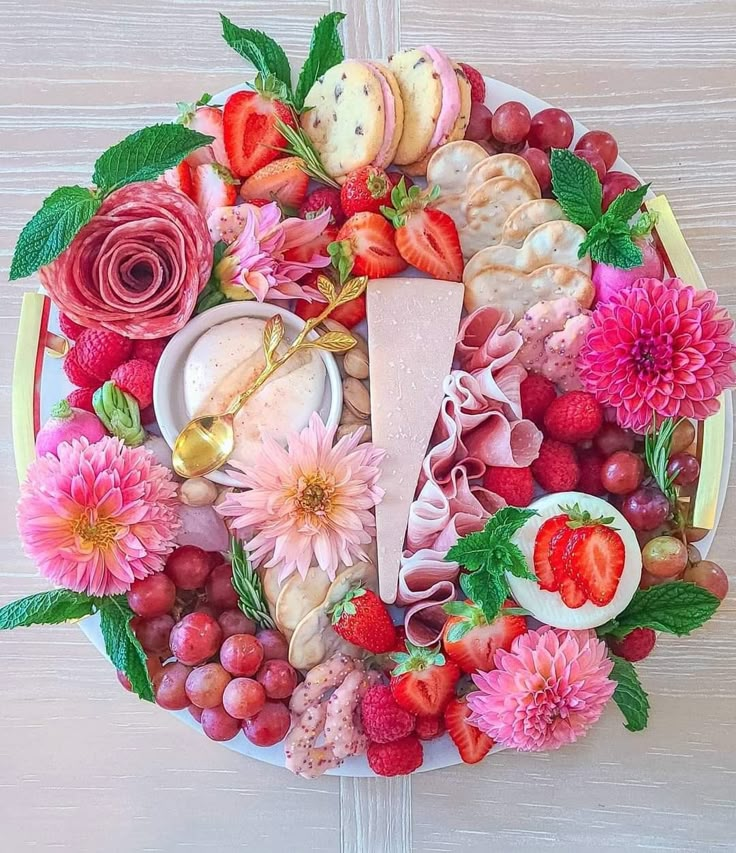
660, 348
312, 502
544, 693
99, 516
255, 263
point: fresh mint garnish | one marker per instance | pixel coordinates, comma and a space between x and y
266, 55
325, 50
122, 646
47, 608
629, 695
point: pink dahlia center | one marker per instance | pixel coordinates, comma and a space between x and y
314, 495
550, 706
653, 355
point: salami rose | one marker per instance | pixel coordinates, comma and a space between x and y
137, 267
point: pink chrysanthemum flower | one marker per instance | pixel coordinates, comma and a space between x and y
661, 348
544, 693
98, 516
256, 262
312, 502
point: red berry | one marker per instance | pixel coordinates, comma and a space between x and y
591, 463
136, 377
575, 416
319, 200
365, 190
556, 468
477, 83
395, 178
149, 350
397, 758
75, 373
537, 393
69, 328
429, 728
81, 398
595, 160
383, 720
514, 485
100, 351
634, 646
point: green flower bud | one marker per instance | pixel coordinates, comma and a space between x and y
120, 414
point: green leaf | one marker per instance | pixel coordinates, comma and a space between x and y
626, 205
676, 608
644, 224
325, 51
146, 154
122, 646
629, 694
459, 630
46, 608
259, 49
609, 242
52, 228
458, 608
577, 187
484, 548
488, 590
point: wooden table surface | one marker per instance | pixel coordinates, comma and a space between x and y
86, 767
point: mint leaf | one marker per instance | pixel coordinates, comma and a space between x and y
325, 51
577, 187
629, 695
516, 563
146, 154
489, 590
121, 644
611, 243
485, 548
52, 228
644, 224
259, 49
46, 608
626, 205
676, 608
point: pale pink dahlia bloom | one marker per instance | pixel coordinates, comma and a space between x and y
256, 262
99, 516
544, 693
312, 502
660, 348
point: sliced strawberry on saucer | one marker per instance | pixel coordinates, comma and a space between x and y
213, 186
423, 681
472, 744
283, 181
471, 641
547, 577
594, 559
180, 177
206, 119
571, 593
369, 245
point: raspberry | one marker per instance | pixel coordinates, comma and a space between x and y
634, 646
148, 416
149, 350
477, 83
100, 351
591, 462
429, 728
556, 468
320, 200
136, 377
537, 393
69, 328
574, 416
397, 758
76, 374
383, 720
514, 485
81, 398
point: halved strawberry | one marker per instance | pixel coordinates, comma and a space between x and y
424, 681
547, 577
252, 138
284, 181
594, 559
208, 120
368, 241
213, 186
471, 641
304, 253
472, 744
179, 177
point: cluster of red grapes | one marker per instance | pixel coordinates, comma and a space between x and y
513, 128
206, 655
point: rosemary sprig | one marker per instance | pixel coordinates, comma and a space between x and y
248, 586
657, 450
298, 144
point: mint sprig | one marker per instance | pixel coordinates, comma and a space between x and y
122, 646
47, 608
629, 695
266, 55
488, 555
577, 187
325, 50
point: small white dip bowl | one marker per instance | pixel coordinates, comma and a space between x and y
168, 384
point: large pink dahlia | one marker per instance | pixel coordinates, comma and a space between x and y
312, 502
661, 348
544, 693
99, 516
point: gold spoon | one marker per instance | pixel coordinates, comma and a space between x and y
207, 442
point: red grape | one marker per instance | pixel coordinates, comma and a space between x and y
195, 638
206, 684
646, 508
219, 588
614, 184
601, 143
539, 163
683, 437
217, 724
479, 125
152, 596
124, 680
188, 566
206, 608
235, 622
241, 654
648, 580
154, 634
611, 438
195, 712
622, 472
684, 469
511, 123
695, 534
278, 678
693, 554
550, 128
275, 645
244, 698
664, 556
169, 686
215, 558
595, 160
269, 726
710, 576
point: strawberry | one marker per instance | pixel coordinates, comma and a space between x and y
477, 83
320, 200
548, 577
349, 314
368, 244
283, 181
361, 618
180, 178
252, 137
425, 237
574, 416
572, 595
213, 186
365, 190
472, 744
304, 252
424, 680
469, 639
208, 120
594, 559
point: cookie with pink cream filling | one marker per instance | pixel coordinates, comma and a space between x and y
393, 108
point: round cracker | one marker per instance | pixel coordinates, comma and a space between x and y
503, 166
421, 94
527, 217
345, 123
486, 210
450, 165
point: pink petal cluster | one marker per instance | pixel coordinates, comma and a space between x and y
544, 693
96, 517
310, 503
660, 348
256, 262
